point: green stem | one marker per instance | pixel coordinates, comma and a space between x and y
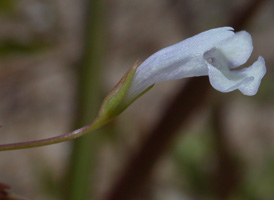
84, 150
57, 139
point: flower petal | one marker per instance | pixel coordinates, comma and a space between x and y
184, 59
257, 70
237, 49
246, 80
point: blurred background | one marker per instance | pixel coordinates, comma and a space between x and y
59, 58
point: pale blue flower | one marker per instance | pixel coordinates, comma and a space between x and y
215, 53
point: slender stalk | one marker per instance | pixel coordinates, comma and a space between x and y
84, 150
53, 140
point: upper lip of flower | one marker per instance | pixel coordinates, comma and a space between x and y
230, 54
214, 53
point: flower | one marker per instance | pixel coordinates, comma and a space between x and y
215, 53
